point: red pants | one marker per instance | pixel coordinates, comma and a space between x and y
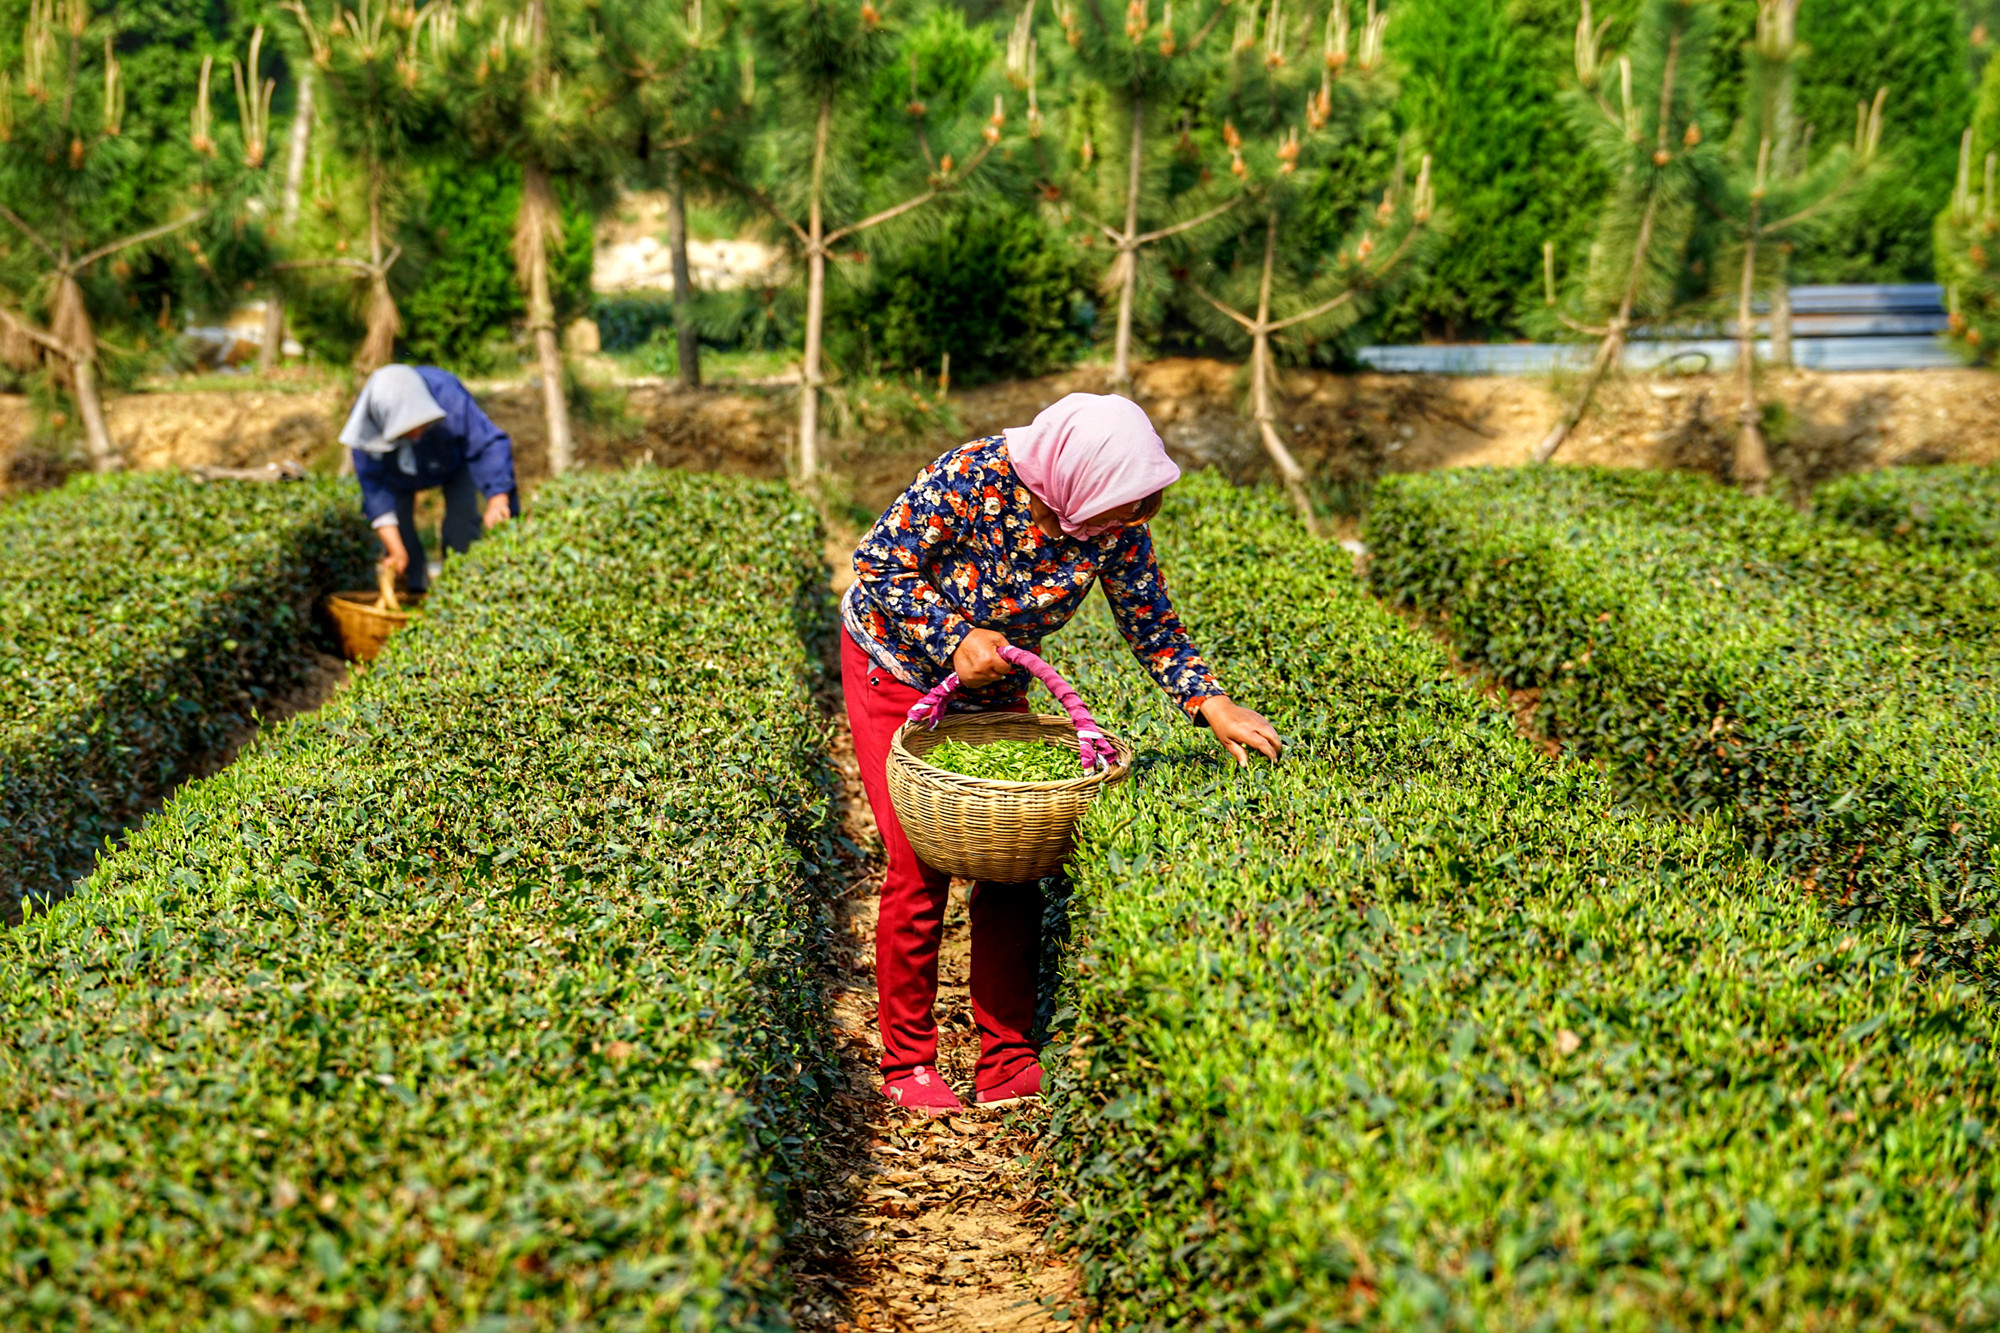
1006, 918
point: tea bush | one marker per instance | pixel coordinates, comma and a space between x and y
1848, 738
1954, 508
143, 620
1422, 1029
477, 998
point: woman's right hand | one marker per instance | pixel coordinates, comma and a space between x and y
393, 553
977, 660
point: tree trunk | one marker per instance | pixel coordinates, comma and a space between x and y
273, 348
1288, 467
809, 378
1613, 345
1751, 468
677, 243
539, 220
1128, 256
70, 325
1781, 321
96, 435
378, 345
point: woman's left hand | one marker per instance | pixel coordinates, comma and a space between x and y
1238, 730
498, 510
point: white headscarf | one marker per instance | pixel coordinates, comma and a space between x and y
394, 402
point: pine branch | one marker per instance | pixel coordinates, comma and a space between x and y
915, 202
1177, 228
1390, 261
30, 233
139, 238
27, 330
757, 197
1248, 323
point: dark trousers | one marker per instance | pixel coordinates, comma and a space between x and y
463, 523
909, 930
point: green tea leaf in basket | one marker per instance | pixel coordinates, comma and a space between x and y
1008, 761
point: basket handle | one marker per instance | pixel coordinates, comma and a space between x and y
1093, 749
385, 587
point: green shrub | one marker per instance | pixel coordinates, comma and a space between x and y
1846, 734
994, 287
1954, 508
143, 620
1422, 1029
462, 299
478, 997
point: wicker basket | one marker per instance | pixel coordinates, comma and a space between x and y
364, 624
987, 828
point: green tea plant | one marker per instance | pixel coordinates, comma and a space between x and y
480, 996
1954, 508
1007, 761
1837, 706
143, 620
1422, 1028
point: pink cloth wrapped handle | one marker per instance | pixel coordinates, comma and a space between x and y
1093, 749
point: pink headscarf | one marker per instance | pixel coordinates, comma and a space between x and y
1089, 453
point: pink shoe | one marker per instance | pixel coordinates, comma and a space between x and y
924, 1091
1024, 1086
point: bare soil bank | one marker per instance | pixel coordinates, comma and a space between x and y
1348, 429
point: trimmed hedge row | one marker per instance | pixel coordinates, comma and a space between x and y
1954, 508
1420, 1028
478, 998
1851, 747
143, 619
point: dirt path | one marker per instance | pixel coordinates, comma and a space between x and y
915, 1225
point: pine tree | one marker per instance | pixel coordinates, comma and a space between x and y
1655, 149
298, 143
689, 79
827, 53
370, 60
1287, 106
1770, 198
1134, 75
528, 81
65, 169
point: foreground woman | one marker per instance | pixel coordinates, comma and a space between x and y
999, 542
415, 427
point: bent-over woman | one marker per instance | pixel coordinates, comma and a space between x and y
416, 427
999, 542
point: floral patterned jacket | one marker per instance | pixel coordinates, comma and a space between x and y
959, 550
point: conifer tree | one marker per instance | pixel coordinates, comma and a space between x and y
1147, 67
528, 81
370, 60
1642, 114
827, 54
1968, 253
691, 84
1769, 197
298, 143
1289, 103
63, 165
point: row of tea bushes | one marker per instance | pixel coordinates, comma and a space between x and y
143, 619
1954, 508
1421, 1029
476, 999
1853, 747
1715, 532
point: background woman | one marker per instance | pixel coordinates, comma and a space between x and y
999, 542
415, 427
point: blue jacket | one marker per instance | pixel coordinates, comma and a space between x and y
466, 437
